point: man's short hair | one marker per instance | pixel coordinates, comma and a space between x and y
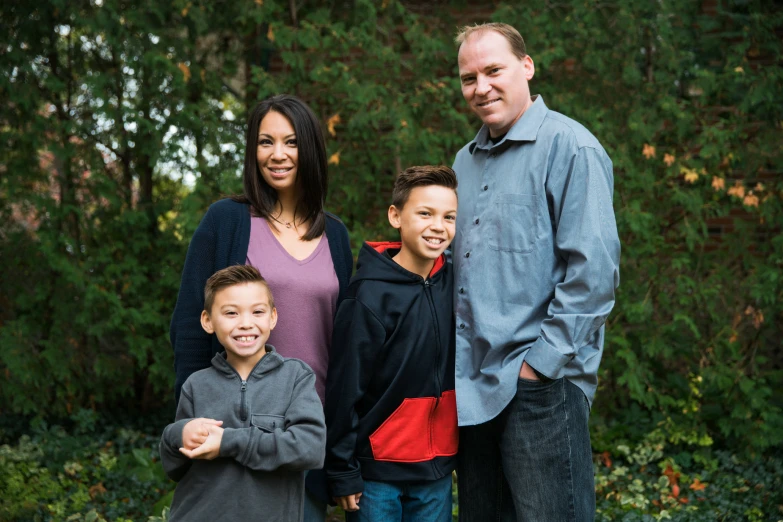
423, 176
506, 31
231, 276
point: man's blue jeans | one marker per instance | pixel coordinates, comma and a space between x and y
428, 501
531, 463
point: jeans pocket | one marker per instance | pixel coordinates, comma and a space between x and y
513, 223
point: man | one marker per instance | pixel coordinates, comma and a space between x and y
536, 259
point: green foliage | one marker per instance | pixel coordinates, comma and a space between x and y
87, 473
124, 122
659, 480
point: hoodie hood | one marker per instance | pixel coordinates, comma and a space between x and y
268, 362
373, 264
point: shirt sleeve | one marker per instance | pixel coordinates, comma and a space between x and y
357, 340
586, 238
175, 464
192, 345
297, 445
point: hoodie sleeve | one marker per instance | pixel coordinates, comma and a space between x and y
175, 464
296, 445
357, 339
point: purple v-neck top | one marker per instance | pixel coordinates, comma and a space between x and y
305, 295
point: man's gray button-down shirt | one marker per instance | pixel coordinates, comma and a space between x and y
536, 259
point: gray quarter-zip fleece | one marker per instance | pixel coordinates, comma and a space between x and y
273, 431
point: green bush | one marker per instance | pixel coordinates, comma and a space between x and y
111, 105
90, 472
660, 480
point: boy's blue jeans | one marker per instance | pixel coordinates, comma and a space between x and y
531, 463
428, 501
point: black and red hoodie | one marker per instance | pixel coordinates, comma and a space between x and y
390, 406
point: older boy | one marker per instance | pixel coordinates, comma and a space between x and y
250, 463
390, 404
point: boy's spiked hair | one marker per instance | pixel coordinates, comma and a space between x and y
230, 276
423, 176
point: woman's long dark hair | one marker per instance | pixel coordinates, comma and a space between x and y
311, 171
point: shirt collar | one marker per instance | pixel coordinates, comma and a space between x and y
525, 129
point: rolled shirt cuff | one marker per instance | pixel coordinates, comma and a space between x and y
546, 359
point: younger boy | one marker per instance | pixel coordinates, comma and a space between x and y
390, 403
249, 464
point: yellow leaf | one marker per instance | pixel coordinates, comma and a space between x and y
739, 70
185, 70
737, 190
186, 9
403, 123
690, 175
331, 122
718, 183
259, 2
270, 34
758, 319
334, 159
668, 159
648, 151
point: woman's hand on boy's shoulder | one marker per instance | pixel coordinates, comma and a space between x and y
196, 432
210, 448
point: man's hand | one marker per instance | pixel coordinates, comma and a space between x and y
349, 502
526, 372
196, 432
210, 449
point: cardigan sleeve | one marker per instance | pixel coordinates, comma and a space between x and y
192, 345
342, 257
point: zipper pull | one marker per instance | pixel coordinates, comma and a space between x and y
243, 403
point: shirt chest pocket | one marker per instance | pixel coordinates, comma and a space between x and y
513, 222
268, 423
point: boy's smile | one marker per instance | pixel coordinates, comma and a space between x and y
242, 320
426, 223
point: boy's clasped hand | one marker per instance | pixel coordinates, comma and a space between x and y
201, 439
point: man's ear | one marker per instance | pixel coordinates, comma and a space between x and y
530, 67
394, 216
206, 322
273, 319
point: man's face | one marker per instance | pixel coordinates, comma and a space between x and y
494, 80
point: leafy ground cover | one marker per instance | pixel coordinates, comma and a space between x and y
91, 469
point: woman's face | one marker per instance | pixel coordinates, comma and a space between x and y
277, 154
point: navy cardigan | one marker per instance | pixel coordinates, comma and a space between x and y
221, 240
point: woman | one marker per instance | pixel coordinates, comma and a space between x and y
279, 226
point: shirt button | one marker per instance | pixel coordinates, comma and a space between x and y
486, 187
461, 326
477, 221
467, 254
461, 290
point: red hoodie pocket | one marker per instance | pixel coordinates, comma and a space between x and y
418, 431
445, 435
